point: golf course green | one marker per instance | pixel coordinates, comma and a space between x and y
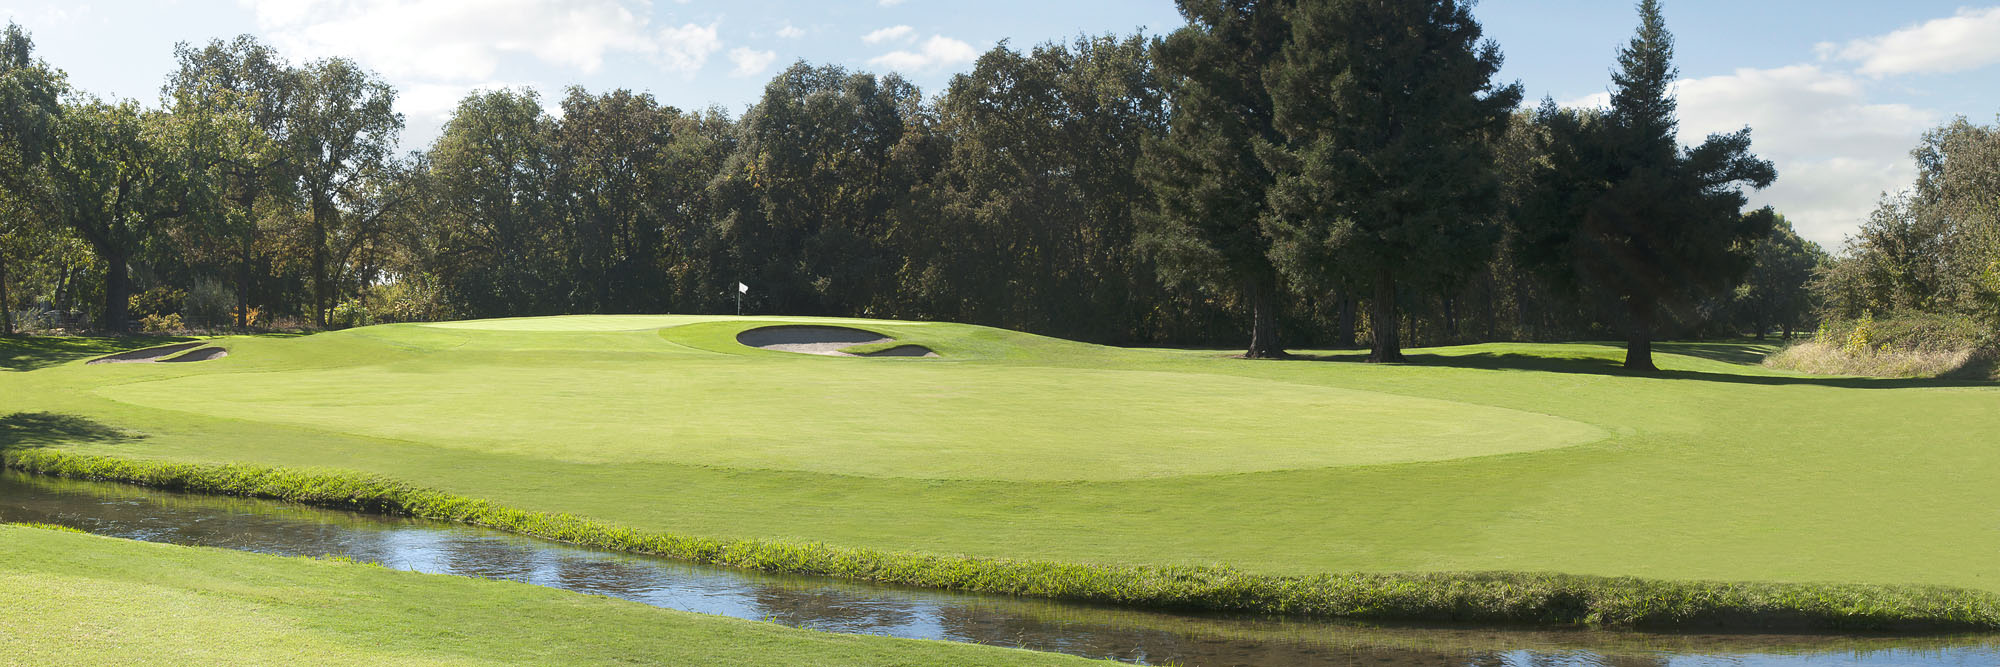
1495, 457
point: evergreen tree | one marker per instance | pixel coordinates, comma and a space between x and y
1389, 111
1621, 212
1211, 189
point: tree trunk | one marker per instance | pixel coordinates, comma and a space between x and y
1450, 319
6, 304
1264, 344
1343, 320
243, 277
1639, 342
1787, 329
117, 295
321, 211
1383, 320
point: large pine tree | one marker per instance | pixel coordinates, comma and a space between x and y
1389, 110
1623, 213
1211, 188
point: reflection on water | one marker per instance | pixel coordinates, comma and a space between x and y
837, 606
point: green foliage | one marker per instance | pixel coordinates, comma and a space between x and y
1622, 213
48, 526
1934, 247
160, 300
1492, 597
348, 314
1389, 111
1212, 190
209, 303
159, 324
1778, 290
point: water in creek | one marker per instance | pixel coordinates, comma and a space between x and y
840, 606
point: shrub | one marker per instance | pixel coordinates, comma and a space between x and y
347, 315
411, 299
161, 324
209, 304
157, 301
1905, 345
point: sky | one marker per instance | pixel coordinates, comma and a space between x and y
1836, 92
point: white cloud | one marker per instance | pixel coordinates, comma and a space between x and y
889, 3
939, 51
791, 32
687, 48
1835, 150
898, 33
1969, 40
750, 62
454, 39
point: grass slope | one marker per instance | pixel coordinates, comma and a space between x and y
81, 599
1480, 458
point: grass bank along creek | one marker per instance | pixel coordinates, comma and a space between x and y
828, 605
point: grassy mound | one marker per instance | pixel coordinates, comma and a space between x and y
81, 599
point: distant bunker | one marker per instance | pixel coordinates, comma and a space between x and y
164, 354
827, 341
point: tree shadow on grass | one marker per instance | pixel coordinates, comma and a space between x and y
1737, 353
31, 430
27, 353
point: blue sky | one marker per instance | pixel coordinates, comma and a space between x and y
1837, 92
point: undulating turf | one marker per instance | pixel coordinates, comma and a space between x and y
82, 599
1506, 457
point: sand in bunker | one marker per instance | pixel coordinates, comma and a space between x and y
160, 354
825, 341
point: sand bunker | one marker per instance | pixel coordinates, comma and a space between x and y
203, 354
161, 354
826, 341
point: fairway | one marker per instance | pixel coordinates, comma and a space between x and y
1516, 457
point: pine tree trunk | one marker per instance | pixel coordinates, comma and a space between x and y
6, 304
1264, 344
117, 295
1383, 320
1639, 342
1343, 320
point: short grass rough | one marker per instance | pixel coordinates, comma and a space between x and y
85, 600
1479, 597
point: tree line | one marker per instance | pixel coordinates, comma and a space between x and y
1286, 172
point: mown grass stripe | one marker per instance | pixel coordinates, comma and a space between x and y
1458, 597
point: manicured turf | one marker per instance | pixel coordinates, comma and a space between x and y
1490, 457
81, 599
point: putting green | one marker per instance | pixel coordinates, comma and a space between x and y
601, 399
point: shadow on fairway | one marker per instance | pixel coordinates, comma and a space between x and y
1745, 353
30, 430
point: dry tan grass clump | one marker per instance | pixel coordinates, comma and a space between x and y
1828, 359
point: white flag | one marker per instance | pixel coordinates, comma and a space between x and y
742, 288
